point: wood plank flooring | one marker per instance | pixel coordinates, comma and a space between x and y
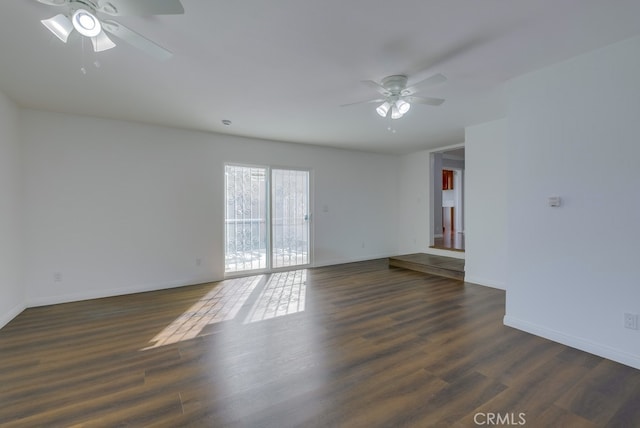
450, 240
448, 267
356, 345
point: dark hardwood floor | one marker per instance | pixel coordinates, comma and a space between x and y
450, 240
448, 267
356, 345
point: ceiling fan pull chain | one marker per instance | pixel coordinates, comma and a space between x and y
83, 69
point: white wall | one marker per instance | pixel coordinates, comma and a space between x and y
117, 207
573, 271
486, 204
12, 296
413, 215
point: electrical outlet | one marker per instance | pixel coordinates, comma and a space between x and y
631, 321
57, 277
198, 262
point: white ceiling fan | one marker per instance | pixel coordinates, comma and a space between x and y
84, 16
397, 97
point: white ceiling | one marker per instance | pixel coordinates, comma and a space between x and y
280, 69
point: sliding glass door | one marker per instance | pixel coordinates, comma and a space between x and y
290, 217
267, 218
245, 218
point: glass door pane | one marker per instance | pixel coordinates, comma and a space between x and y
245, 218
289, 217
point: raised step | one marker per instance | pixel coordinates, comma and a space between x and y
448, 267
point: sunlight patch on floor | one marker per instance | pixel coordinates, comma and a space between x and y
283, 294
222, 303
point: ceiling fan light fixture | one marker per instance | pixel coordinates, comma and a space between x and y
60, 26
402, 107
395, 113
383, 109
86, 23
102, 42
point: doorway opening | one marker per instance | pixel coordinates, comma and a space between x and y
448, 199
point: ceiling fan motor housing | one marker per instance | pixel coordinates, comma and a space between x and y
90, 5
395, 84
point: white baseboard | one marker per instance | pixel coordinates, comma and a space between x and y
485, 282
604, 351
99, 294
11, 314
141, 288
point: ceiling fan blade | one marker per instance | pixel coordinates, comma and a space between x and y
429, 81
60, 26
380, 100
53, 2
102, 42
377, 87
423, 100
136, 40
140, 7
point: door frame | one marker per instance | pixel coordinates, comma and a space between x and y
433, 188
268, 214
